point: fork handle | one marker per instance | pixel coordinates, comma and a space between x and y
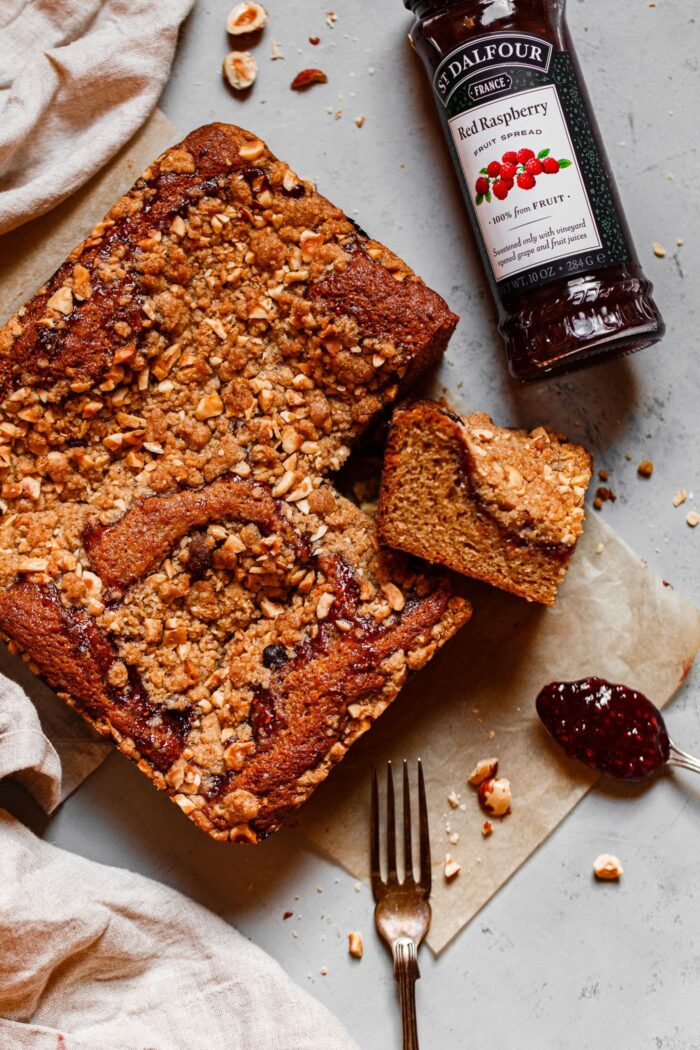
406, 973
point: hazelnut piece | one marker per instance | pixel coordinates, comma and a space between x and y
495, 796
246, 18
485, 769
452, 868
355, 946
608, 867
240, 69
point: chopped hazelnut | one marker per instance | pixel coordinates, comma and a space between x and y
645, 468
495, 796
284, 484
394, 596
606, 866
246, 18
323, 606
484, 769
693, 518
31, 487
271, 609
252, 150
241, 69
186, 804
452, 868
33, 565
177, 226
487, 829
659, 250
209, 406
82, 288
355, 945
680, 497
310, 242
62, 301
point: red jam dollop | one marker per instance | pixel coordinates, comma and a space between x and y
609, 727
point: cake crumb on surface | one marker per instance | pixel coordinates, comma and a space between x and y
680, 497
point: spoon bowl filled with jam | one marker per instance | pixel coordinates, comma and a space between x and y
611, 728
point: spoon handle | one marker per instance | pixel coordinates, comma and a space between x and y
682, 759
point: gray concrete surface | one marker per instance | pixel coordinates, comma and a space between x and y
554, 960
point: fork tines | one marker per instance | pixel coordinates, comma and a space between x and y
424, 879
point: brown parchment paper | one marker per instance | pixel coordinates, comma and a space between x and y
614, 618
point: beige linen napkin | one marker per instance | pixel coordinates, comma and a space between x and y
93, 958
77, 78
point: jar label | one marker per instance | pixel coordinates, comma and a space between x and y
533, 175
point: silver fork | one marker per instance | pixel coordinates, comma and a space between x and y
402, 914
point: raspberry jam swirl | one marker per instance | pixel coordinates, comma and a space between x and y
611, 728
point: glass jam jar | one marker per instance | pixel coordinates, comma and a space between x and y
537, 184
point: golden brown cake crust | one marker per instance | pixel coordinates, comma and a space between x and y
172, 560
502, 505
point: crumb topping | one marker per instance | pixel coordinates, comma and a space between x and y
533, 483
172, 401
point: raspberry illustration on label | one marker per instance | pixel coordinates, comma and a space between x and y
498, 178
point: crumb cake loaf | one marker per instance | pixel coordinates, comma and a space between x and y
172, 560
501, 505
